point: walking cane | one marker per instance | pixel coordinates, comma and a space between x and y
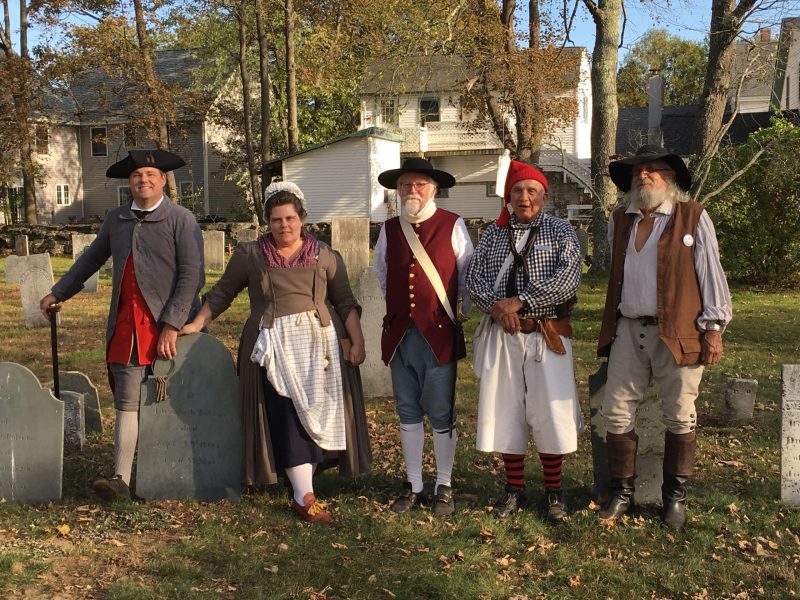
458, 334
52, 310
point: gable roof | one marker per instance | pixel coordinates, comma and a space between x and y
788, 25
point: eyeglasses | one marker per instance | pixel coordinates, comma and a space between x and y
646, 169
417, 185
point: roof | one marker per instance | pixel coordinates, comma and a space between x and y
430, 73
378, 132
787, 25
756, 60
94, 96
678, 123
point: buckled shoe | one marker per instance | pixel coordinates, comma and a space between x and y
510, 502
443, 503
408, 499
112, 489
312, 510
556, 505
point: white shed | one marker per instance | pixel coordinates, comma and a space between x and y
340, 177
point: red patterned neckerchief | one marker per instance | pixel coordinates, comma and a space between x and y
307, 256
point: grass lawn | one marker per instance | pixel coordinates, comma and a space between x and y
740, 541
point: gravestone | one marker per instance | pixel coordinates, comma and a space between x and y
90, 285
80, 241
247, 235
75, 381
350, 238
790, 435
31, 438
583, 241
21, 245
376, 377
740, 398
649, 428
36, 284
214, 250
74, 428
190, 444
17, 265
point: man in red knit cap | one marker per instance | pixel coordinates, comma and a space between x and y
524, 275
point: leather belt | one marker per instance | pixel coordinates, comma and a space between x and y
551, 330
647, 320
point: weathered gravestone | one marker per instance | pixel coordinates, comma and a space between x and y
790, 435
74, 427
75, 381
81, 241
247, 235
90, 285
36, 283
214, 250
649, 428
21, 245
190, 444
740, 398
350, 238
583, 241
376, 378
31, 438
17, 265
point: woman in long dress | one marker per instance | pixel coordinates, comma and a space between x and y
290, 361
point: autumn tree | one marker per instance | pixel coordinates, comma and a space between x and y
680, 63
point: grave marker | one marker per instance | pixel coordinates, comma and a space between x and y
740, 398
75, 381
31, 438
247, 235
376, 377
80, 241
214, 250
91, 284
36, 284
17, 265
74, 428
790, 435
350, 238
190, 444
650, 429
21, 245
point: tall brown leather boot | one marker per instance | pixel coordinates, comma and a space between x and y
621, 448
679, 451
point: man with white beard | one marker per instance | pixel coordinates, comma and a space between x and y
421, 259
666, 308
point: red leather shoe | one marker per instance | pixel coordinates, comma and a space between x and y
311, 511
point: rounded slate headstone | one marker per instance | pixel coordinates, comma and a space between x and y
190, 444
376, 377
31, 438
740, 398
75, 381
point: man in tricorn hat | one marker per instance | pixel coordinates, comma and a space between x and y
157, 250
666, 308
524, 276
420, 259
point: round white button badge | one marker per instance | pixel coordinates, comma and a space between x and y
688, 240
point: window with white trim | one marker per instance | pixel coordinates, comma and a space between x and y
389, 112
99, 140
124, 196
62, 195
490, 190
429, 110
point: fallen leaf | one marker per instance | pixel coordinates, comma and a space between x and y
282, 547
63, 529
338, 546
388, 593
574, 581
116, 543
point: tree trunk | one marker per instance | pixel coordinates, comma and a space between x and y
21, 107
726, 23
152, 84
606, 16
265, 82
255, 185
291, 84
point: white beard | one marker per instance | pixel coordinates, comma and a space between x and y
649, 199
410, 207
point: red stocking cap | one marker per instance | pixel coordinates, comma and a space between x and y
518, 171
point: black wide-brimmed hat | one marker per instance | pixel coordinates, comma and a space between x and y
137, 159
388, 179
621, 171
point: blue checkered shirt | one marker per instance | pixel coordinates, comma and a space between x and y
554, 266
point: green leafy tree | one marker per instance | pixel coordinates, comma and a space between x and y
756, 206
681, 64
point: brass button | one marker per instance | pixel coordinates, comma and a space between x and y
411, 275
440, 326
411, 287
411, 295
413, 305
411, 266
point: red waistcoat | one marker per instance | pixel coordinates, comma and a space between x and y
132, 315
411, 297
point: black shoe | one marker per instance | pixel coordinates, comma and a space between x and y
443, 504
620, 499
513, 500
407, 499
556, 506
673, 494
112, 489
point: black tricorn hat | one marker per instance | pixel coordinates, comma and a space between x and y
621, 171
388, 179
137, 159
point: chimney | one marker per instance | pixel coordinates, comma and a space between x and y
655, 94
765, 34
